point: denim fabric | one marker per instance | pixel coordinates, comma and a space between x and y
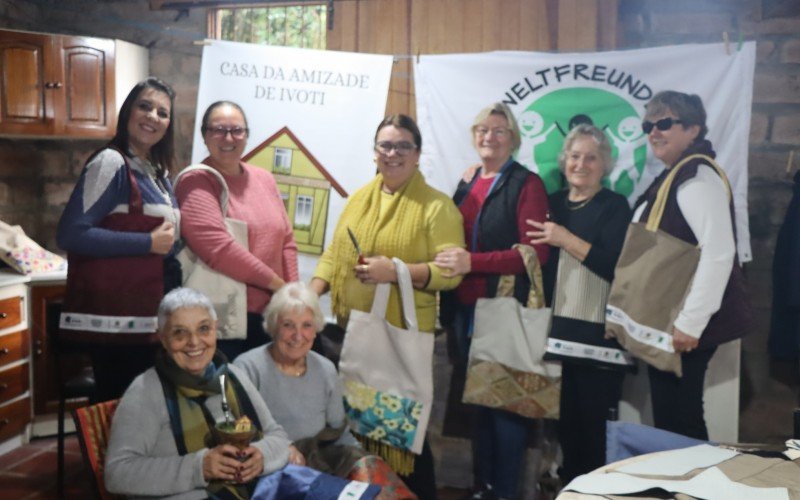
498, 450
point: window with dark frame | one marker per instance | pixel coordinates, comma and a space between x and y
288, 24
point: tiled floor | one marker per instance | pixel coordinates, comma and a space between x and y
29, 472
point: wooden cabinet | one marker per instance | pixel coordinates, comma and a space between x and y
15, 401
46, 300
55, 85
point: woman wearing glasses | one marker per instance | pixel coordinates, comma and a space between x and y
395, 215
698, 211
495, 204
270, 258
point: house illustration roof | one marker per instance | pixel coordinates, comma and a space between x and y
285, 130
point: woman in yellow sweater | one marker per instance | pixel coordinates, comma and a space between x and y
396, 215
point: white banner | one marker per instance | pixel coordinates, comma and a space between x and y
312, 116
549, 93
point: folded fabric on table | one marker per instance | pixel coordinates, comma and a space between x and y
626, 439
295, 482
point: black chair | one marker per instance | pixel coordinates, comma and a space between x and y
71, 385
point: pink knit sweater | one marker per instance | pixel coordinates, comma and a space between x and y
255, 199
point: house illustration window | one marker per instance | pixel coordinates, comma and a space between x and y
285, 198
302, 212
283, 161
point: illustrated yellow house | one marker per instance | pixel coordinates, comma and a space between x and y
304, 183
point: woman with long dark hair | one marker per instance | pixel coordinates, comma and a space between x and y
144, 141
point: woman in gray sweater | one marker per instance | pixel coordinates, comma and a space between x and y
301, 388
161, 443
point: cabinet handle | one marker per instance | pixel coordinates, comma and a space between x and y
3, 315
38, 345
49, 85
58, 85
5, 421
4, 350
3, 386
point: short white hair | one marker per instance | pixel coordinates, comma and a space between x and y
294, 296
181, 298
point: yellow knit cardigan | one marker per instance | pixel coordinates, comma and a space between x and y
419, 223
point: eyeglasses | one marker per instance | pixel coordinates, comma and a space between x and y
402, 148
662, 124
497, 132
222, 132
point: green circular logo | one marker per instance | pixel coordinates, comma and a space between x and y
545, 123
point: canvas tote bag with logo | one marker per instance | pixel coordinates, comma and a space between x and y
651, 281
228, 295
387, 372
505, 368
114, 300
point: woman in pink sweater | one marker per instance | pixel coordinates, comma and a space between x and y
271, 257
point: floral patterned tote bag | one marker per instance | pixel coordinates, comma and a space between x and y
387, 372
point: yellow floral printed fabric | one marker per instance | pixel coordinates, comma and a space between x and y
380, 416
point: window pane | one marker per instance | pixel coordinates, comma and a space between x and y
287, 25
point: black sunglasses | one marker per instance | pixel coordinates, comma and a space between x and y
662, 124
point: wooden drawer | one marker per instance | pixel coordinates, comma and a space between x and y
10, 312
13, 346
14, 417
13, 382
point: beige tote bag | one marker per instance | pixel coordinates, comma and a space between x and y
505, 368
228, 295
387, 372
651, 281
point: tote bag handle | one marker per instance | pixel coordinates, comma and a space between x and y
505, 286
654, 219
223, 196
382, 290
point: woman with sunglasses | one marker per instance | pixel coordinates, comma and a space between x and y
395, 215
495, 204
699, 211
270, 258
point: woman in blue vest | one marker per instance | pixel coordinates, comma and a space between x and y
495, 204
698, 211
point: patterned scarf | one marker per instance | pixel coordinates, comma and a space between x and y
363, 215
191, 421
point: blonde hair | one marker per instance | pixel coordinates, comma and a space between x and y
498, 108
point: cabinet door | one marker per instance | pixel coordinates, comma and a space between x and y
85, 97
46, 303
26, 84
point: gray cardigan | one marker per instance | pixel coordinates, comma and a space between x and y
142, 459
302, 405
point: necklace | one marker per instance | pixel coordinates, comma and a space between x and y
290, 370
577, 205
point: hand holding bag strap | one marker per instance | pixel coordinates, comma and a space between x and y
381, 299
223, 196
654, 219
505, 286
